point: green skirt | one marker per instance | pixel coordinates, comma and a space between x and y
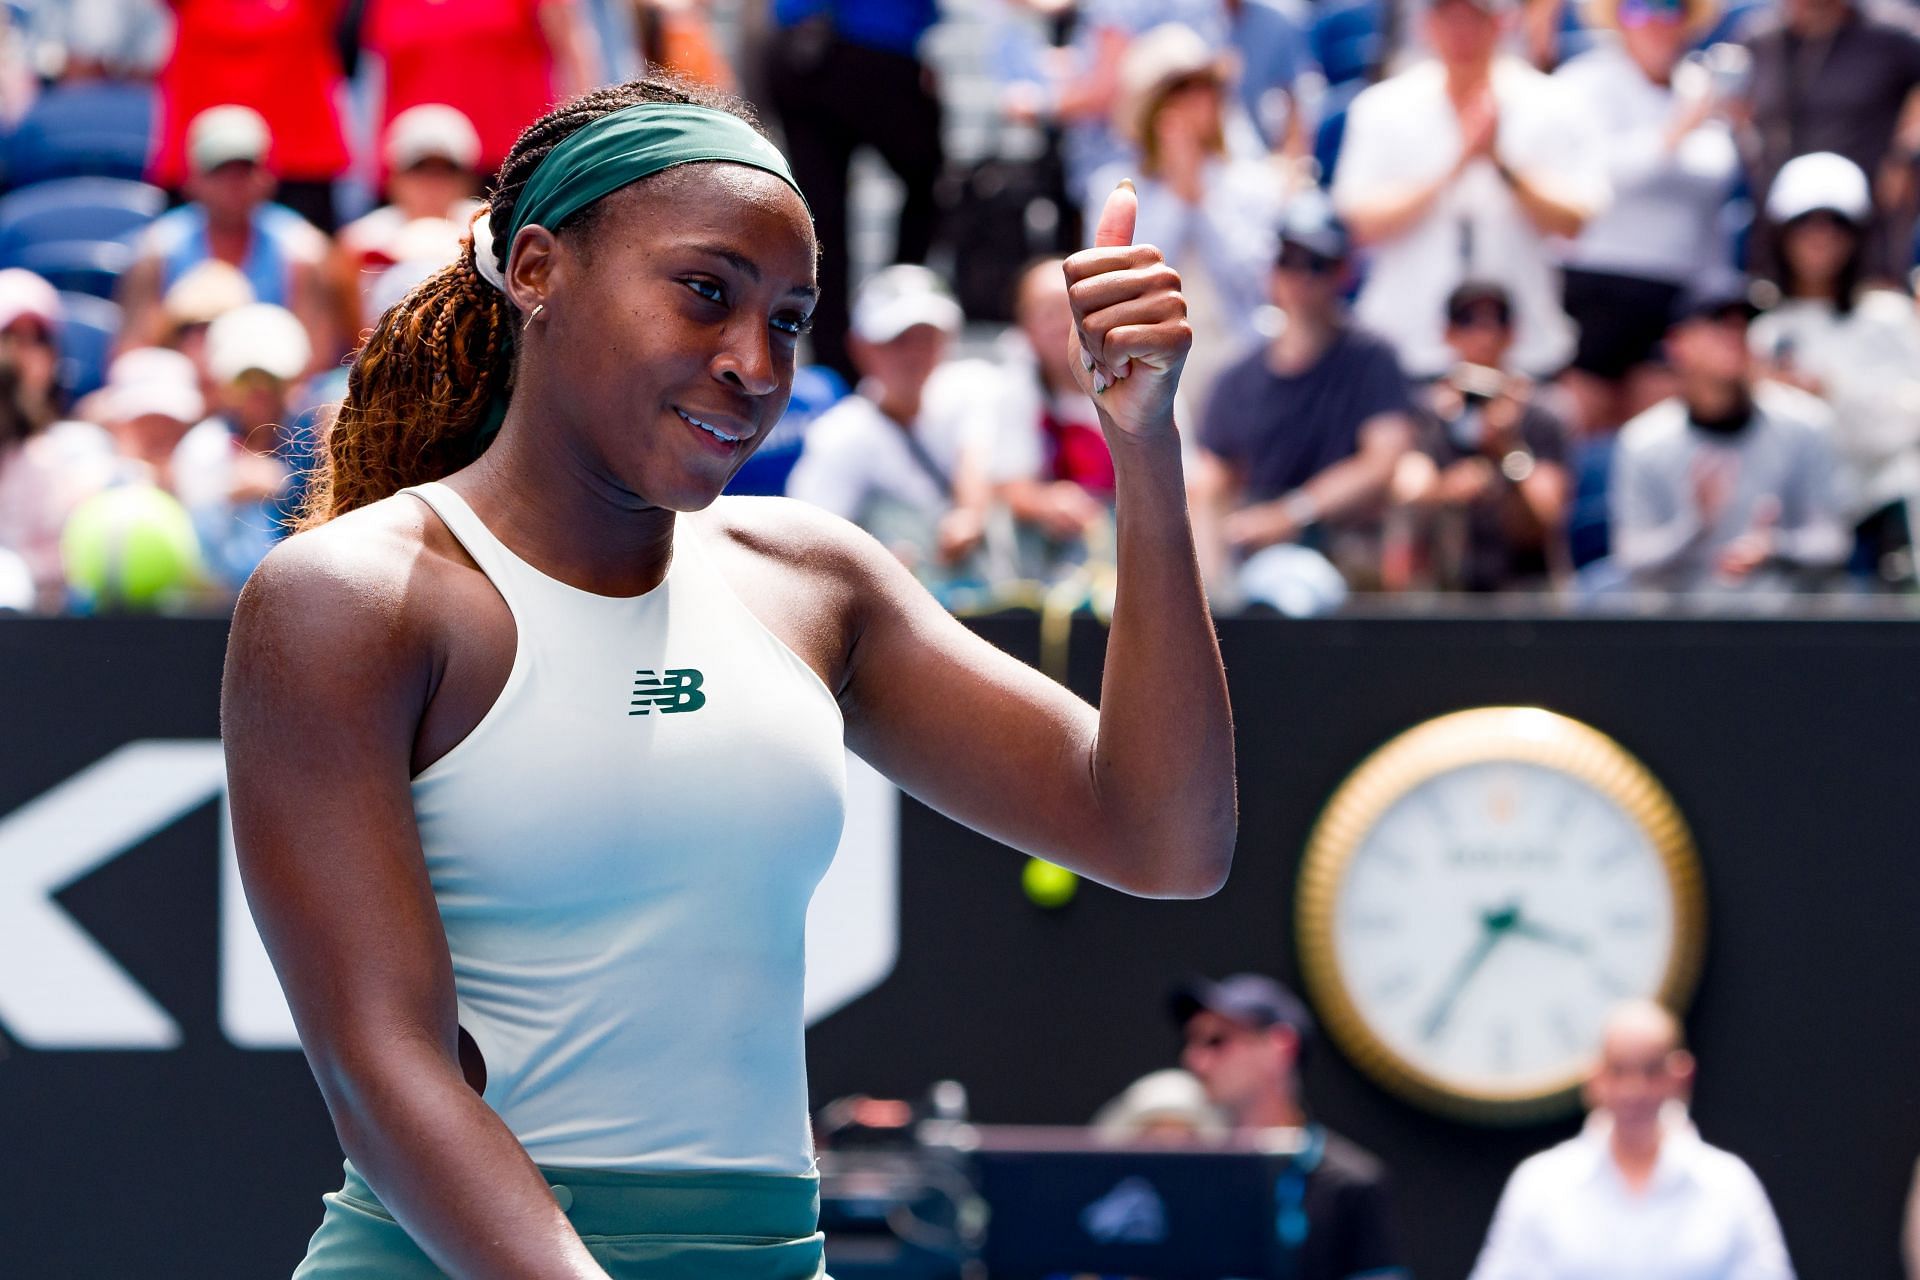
639, 1226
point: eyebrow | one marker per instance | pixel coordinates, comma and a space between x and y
746, 266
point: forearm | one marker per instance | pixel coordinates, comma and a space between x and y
1351, 486
1552, 214
1391, 215
448, 1169
1162, 762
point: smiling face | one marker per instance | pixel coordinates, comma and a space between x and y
666, 350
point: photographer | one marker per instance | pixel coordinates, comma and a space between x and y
1484, 496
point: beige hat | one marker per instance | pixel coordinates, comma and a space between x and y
258, 336
1172, 1096
220, 135
432, 130
1154, 62
206, 292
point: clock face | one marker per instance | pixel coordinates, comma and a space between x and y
1479, 895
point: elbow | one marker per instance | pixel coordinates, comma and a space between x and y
1184, 865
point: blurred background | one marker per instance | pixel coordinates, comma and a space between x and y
1551, 356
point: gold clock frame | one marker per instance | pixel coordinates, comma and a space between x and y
1527, 735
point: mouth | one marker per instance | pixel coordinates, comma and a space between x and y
717, 435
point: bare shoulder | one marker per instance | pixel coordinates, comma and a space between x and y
831, 555
348, 602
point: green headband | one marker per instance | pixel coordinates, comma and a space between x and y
600, 158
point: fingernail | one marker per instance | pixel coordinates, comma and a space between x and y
1100, 381
1086, 360
1125, 367
1128, 184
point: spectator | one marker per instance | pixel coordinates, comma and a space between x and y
1211, 213
1246, 1037
97, 39
30, 315
846, 75
432, 156
281, 60
45, 472
1855, 346
1637, 1195
1167, 1106
500, 63
198, 298
1489, 484
1050, 462
1463, 167
242, 473
151, 400
1828, 75
231, 219
1301, 437
904, 456
1725, 487
1671, 161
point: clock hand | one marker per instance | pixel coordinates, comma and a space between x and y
1525, 928
1494, 925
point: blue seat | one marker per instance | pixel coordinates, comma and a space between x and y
99, 128
75, 209
79, 266
87, 333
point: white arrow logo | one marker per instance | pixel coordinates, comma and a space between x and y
59, 988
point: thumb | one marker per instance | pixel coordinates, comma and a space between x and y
1117, 218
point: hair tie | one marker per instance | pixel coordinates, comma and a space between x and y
485, 261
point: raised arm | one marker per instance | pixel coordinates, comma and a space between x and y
1141, 795
327, 675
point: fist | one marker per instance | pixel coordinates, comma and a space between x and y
1130, 331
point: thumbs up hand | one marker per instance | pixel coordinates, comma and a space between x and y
1130, 330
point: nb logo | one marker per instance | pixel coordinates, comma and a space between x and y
674, 690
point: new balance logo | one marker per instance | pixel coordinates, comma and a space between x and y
668, 692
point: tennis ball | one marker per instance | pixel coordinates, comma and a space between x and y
1048, 885
132, 547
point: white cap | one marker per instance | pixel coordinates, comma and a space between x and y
257, 336
153, 381
1820, 182
1155, 60
219, 135
895, 299
23, 293
428, 131
1297, 581
1161, 1097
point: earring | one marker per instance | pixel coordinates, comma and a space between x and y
533, 315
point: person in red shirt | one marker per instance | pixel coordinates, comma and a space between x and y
501, 63
276, 56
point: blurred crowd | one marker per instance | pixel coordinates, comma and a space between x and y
1590, 299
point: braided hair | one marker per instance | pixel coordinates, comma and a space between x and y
420, 388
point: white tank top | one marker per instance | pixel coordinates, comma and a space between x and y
622, 851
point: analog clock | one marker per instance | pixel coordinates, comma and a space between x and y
1479, 892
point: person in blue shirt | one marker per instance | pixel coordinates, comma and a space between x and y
846, 74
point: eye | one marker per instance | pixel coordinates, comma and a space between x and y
707, 289
793, 324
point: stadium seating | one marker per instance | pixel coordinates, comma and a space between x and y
97, 128
86, 342
75, 209
79, 266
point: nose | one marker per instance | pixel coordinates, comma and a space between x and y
746, 362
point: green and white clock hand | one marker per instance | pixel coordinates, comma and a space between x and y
1495, 924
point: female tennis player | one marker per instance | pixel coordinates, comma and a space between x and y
536, 749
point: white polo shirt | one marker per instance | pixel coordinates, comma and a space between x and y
1403, 132
1568, 1214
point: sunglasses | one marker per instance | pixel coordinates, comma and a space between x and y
1305, 261
1479, 318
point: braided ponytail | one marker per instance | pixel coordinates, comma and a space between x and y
420, 389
